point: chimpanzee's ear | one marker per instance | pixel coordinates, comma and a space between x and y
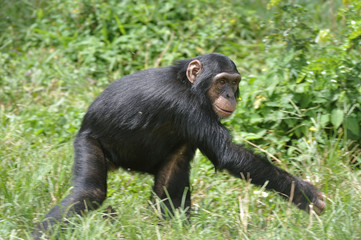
194, 68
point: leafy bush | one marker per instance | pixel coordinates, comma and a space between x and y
125, 37
312, 84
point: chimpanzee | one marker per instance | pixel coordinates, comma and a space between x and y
153, 121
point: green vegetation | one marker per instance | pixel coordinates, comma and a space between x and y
301, 102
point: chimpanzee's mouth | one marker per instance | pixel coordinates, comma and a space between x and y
227, 112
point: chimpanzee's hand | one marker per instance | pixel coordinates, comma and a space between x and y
305, 194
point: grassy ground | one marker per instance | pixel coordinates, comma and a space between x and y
46, 85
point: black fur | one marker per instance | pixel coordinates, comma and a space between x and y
153, 121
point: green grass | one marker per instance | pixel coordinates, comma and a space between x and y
57, 56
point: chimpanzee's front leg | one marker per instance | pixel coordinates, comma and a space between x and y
172, 181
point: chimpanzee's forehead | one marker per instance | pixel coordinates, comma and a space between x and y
218, 63
227, 66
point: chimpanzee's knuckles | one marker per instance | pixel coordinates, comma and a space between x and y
307, 195
319, 205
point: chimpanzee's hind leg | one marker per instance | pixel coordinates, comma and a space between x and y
90, 187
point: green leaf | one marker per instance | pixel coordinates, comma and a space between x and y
337, 117
324, 120
120, 25
353, 125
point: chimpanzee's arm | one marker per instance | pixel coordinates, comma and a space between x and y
259, 170
240, 162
